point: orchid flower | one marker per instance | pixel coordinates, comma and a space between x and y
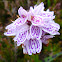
30, 28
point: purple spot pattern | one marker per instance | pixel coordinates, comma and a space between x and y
47, 14
35, 31
21, 37
20, 21
11, 30
34, 46
51, 28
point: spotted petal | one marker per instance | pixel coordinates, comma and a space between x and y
47, 14
10, 26
18, 42
11, 30
35, 31
20, 21
38, 45
21, 36
34, 46
51, 28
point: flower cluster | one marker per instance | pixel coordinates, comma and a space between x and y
31, 28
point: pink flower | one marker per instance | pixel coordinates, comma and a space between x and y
30, 28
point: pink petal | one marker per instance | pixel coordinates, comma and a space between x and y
31, 47
20, 21
22, 28
22, 12
47, 15
10, 26
35, 31
36, 20
18, 24
48, 36
11, 30
34, 46
45, 38
39, 8
38, 46
51, 28
21, 36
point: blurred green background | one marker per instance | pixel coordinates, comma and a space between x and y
9, 52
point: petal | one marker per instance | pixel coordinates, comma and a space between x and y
39, 8
20, 21
48, 36
22, 28
18, 41
38, 46
21, 36
56, 33
47, 15
31, 8
36, 20
31, 47
11, 30
30, 13
45, 38
51, 27
22, 12
35, 11
14, 28
10, 26
34, 46
35, 31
